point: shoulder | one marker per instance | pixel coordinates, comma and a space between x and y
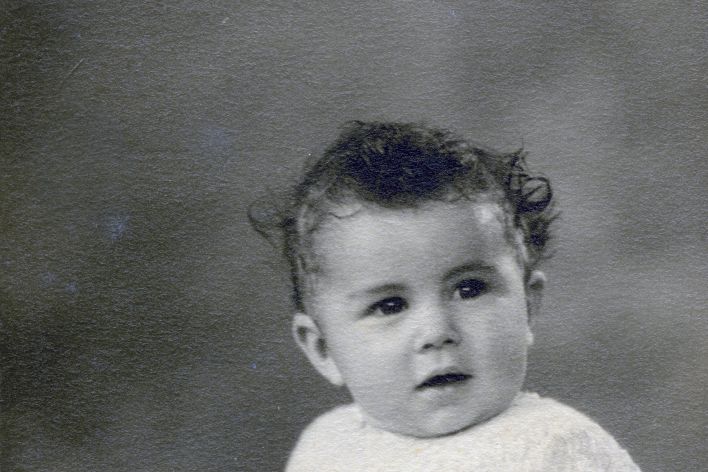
546, 414
332, 431
342, 419
567, 439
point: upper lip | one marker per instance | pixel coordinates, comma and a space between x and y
441, 376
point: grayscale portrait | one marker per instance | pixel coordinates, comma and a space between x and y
393, 235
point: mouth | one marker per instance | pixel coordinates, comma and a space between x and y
444, 380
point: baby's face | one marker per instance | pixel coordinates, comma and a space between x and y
423, 313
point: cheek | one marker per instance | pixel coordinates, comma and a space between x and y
510, 350
501, 337
364, 358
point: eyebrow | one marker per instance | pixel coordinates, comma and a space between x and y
472, 266
378, 290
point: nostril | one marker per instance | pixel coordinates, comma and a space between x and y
439, 344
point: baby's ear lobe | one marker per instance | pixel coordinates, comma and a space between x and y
534, 293
310, 339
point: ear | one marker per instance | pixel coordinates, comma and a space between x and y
312, 342
534, 295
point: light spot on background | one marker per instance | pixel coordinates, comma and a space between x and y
117, 226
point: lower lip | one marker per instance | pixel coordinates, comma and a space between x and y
445, 393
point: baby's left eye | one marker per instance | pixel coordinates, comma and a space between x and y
470, 288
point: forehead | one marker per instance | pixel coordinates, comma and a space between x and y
357, 229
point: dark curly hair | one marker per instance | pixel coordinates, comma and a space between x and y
402, 165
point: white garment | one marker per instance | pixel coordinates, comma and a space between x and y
533, 434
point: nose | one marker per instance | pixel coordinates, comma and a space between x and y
436, 330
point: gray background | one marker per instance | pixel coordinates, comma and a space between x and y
146, 327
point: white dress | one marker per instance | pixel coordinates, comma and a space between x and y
533, 434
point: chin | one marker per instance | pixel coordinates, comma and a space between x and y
443, 426
455, 421
443, 422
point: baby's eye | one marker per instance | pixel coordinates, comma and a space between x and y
470, 288
389, 306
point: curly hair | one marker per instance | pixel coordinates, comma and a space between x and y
403, 165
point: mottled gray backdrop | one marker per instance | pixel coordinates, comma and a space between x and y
144, 326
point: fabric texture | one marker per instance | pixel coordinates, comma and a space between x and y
533, 434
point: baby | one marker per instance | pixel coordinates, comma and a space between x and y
414, 259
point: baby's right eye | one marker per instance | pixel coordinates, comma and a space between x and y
388, 306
